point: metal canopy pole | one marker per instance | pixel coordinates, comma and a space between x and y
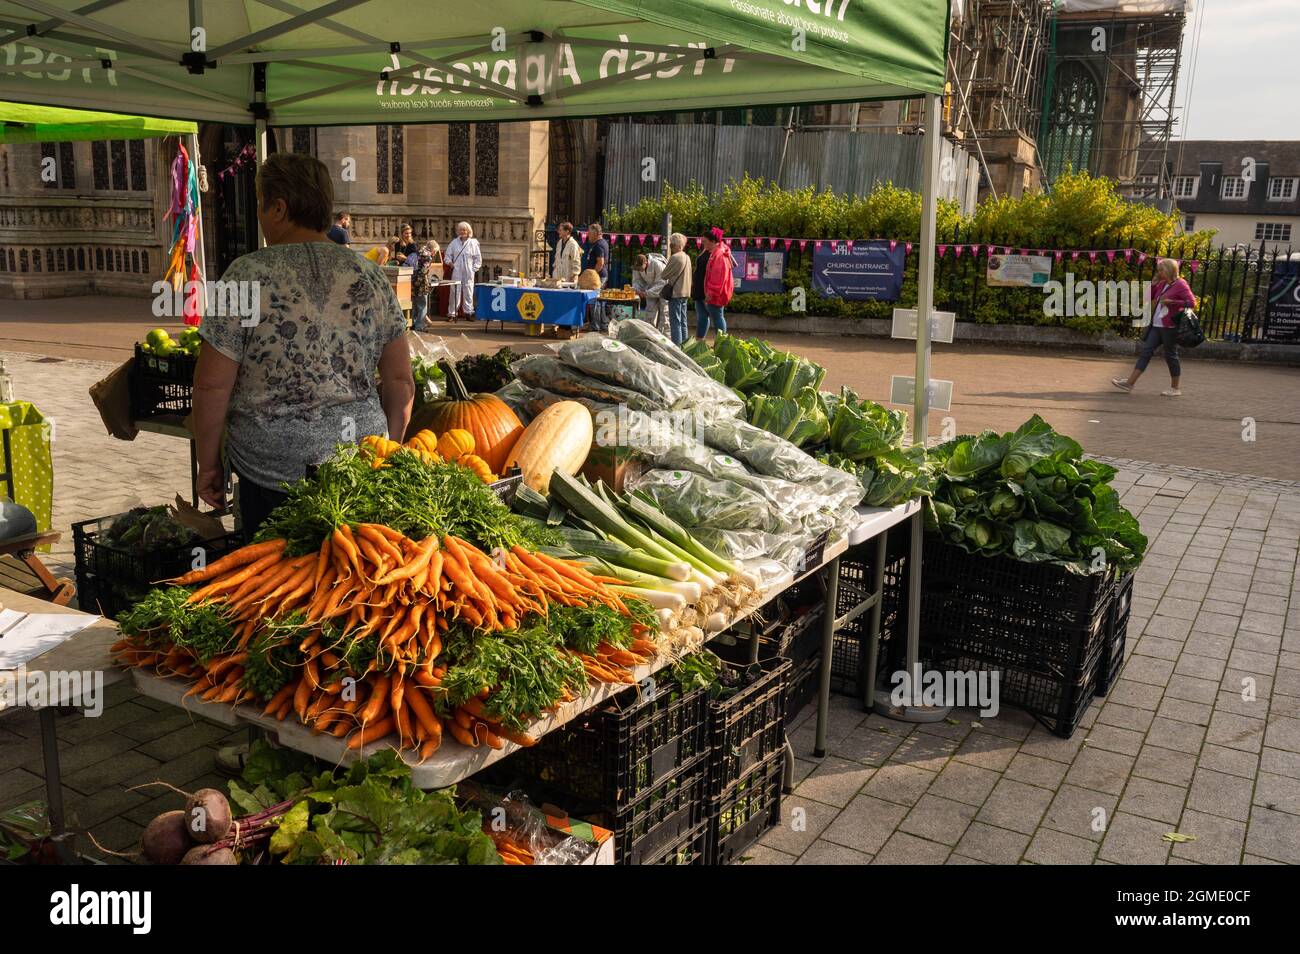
920, 415
259, 127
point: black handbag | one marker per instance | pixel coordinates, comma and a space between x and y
1187, 328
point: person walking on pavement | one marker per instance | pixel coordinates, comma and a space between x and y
717, 286
465, 258
646, 272
676, 280
1170, 295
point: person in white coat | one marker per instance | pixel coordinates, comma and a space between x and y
646, 283
567, 262
465, 258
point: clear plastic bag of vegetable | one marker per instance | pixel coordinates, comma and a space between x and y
516, 394
697, 500
549, 372
520, 829
651, 343
425, 355
536, 400
612, 360
753, 546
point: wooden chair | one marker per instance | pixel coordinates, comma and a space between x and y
22, 570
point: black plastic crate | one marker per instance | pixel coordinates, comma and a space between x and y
161, 385
1052, 622
802, 687
1047, 591
98, 558
1058, 702
747, 727
654, 825
1117, 617
150, 398
105, 599
690, 849
849, 660
753, 806
614, 753
178, 368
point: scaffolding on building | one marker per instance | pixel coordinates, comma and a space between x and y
1109, 94
996, 52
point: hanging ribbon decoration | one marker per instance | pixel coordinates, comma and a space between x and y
182, 269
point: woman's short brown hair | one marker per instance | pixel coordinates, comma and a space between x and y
303, 183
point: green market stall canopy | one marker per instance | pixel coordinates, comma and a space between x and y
353, 62
20, 122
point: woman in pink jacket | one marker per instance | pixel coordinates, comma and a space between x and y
718, 285
1170, 295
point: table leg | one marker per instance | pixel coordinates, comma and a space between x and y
914, 593
828, 649
53, 781
194, 473
873, 630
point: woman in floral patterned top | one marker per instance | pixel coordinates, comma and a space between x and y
289, 371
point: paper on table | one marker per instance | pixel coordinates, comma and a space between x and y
24, 636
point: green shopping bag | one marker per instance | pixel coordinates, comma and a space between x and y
28, 461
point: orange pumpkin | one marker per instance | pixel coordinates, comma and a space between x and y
478, 465
489, 420
455, 444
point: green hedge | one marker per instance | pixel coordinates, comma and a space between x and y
1081, 212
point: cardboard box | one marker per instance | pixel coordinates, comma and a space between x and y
600, 839
614, 465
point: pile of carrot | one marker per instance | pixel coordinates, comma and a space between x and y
371, 580
511, 851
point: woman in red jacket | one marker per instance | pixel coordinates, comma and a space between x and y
718, 285
1170, 295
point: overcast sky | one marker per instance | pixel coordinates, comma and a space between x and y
1247, 77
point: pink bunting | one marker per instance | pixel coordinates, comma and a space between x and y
803, 244
654, 240
942, 250
1042, 251
957, 250
582, 236
1024, 251
849, 243
907, 248
1092, 257
641, 238
893, 244
1142, 257
1194, 264
817, 245
1110, 255
1059, 255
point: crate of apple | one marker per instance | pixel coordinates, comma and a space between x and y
162, 356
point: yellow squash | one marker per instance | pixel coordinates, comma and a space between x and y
558, 439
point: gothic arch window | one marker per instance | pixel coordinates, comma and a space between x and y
389, 160
1072, 119
479, 175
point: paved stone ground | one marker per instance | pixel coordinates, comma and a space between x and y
1174, 747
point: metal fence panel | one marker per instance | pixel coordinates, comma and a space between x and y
712, 156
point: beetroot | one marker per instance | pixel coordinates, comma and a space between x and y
165, 839
207, 855
207, 816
